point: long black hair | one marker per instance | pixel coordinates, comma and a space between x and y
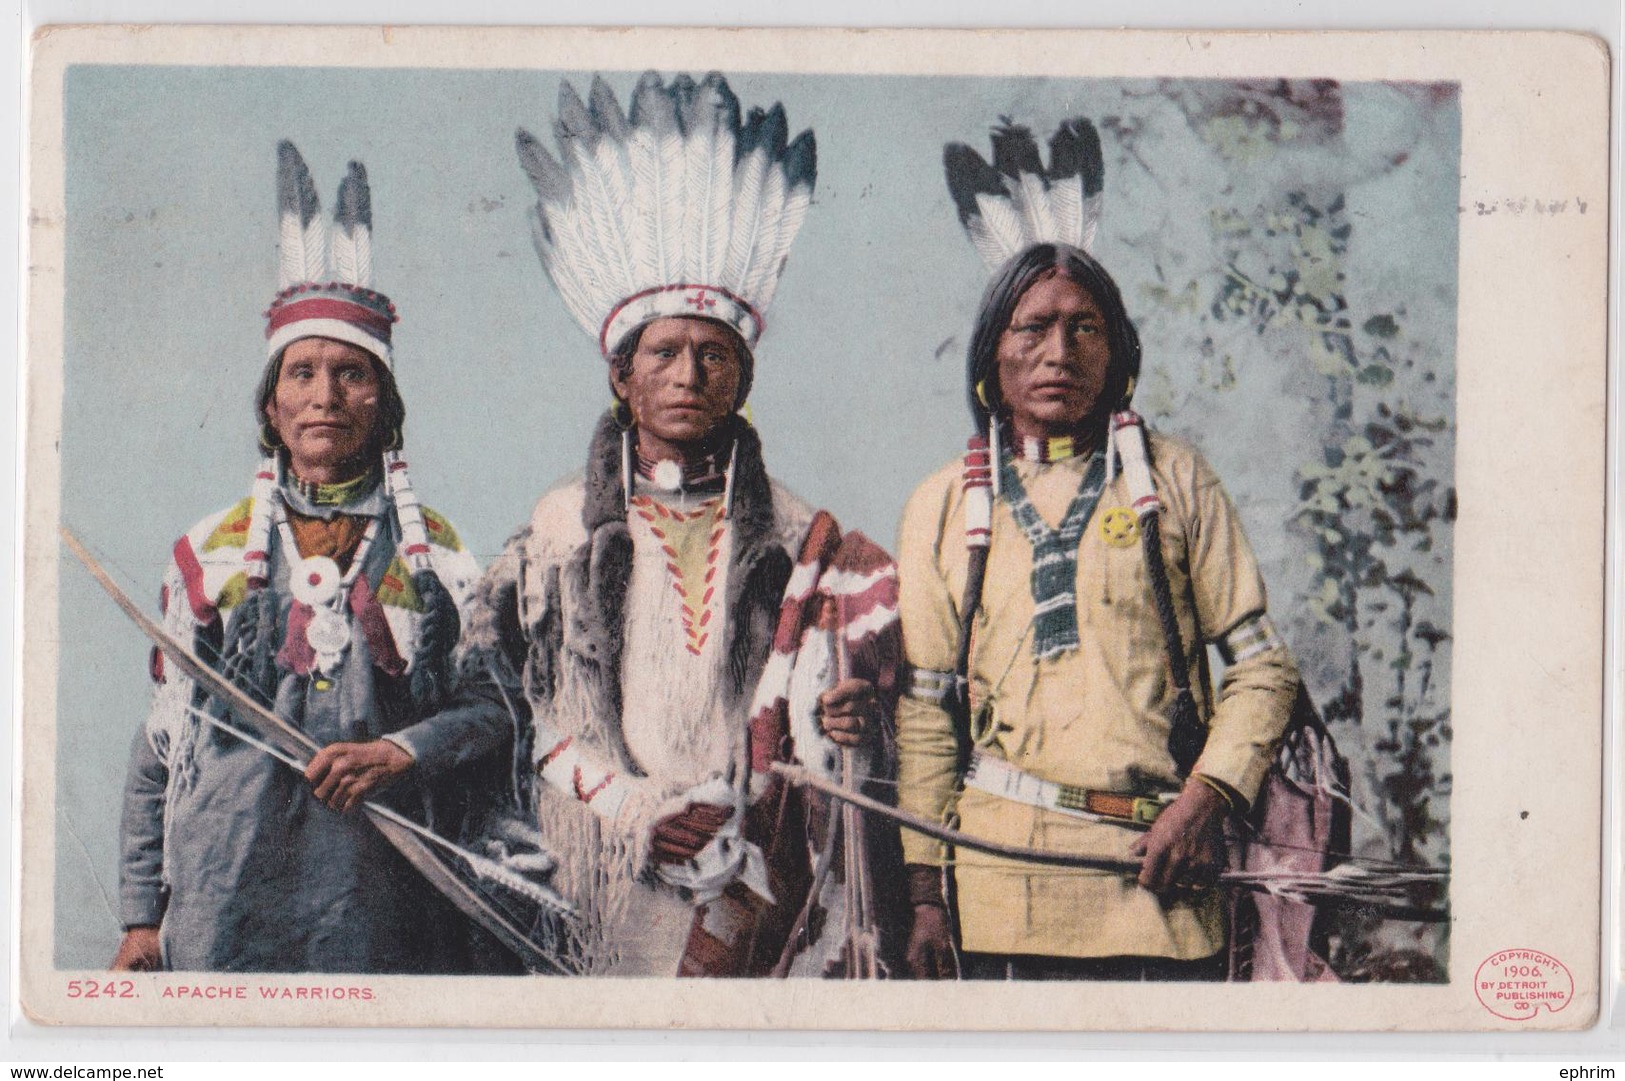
999, 304
390, 433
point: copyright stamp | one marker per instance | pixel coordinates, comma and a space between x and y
1517, 984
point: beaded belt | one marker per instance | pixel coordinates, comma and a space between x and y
997, 777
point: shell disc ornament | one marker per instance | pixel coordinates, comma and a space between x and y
315, 581
668, 475
328, 633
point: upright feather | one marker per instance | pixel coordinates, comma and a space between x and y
563, 267
1038, 220
992, 250
352, 239
613, 173
759, 220
1077, 174
800, 169
699, 145
602, 190
763, 266
556, 228
682, 90
719, 108
550, 179
1003, 224
655, 151
302, 234
1066, 206
574, 121
1091, 222
750, 174
1015, 156
605, 112
1015, 152
1074, 150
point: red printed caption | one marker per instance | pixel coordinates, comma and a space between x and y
1515, 984
246, 993
102, 989
217, 992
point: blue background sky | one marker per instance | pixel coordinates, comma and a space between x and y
171, 261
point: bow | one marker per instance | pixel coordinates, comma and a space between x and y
291, 746
1389, 891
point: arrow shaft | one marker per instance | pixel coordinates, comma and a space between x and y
1320, 889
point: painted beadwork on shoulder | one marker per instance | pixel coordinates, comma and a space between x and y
395, 588
441, 531
232, 529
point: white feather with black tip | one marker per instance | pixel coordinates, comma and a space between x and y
715, 194
609, 190
1017, 202
1091, 222
750, 177
566, 260
796, 203
759, 268
302, 234
352, 232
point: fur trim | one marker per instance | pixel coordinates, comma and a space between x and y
548, 626
813, 674
599, 570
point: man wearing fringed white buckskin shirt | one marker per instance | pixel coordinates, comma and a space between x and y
672, 624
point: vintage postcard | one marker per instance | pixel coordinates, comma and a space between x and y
904, 530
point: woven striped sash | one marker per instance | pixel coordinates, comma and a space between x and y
1055, 555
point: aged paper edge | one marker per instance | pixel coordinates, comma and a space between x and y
1528, 651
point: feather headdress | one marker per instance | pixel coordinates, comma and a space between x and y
324, 280
676, 209
324, 290
1015, 202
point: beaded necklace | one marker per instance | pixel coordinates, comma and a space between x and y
315, 581
671, 475
1056, 448
336, 494
1055, 555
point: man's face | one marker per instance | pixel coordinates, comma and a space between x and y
1053, 358
325, 407
684, 382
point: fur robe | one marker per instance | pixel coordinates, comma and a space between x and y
547, 631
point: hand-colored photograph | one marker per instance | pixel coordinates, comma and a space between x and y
572, 524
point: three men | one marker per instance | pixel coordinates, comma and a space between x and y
672, 624
330, 596
1056, 631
